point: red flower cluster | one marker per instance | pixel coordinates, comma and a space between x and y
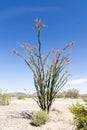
36, 20
68, 73
39, 25
67, 60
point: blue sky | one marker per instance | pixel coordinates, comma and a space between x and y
66, 21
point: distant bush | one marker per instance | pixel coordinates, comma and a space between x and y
39, 118
20, 97
4, 99
59, 95
31, 96
80, 116
72, 93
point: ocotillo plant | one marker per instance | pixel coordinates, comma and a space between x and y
49, 77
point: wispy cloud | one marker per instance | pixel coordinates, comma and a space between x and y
77, 81
11, 12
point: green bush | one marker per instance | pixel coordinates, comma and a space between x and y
39, 118
85, 99
4, 99
72, 93
80, 116
20, 97
59, 95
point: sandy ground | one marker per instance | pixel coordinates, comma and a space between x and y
14, 117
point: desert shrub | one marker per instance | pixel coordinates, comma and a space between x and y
4, 99
80, 116
32, 96
59, 95
39, 118
85, 99
72, 93
20, 97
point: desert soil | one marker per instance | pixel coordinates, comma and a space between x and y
17, 115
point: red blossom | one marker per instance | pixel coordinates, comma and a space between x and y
68, 73
58, 52
36, 20
14, 51
67, 61
36, 26
71, 44
43, 25
52, 50
30, 52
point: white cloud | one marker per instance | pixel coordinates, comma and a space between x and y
77, 81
